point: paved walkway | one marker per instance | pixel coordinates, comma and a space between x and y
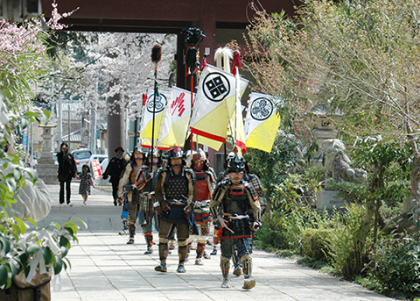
105, 268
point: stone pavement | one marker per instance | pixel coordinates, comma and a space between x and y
105, 268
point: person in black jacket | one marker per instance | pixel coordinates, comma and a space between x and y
115, 169
66, 171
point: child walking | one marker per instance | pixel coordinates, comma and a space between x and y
86, 181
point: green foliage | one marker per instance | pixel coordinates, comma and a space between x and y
289, 222
283, 231
387, 162
390, 211
347, 243
272, 235
274, 167
320, 265
295, 186
315, 243
352, 192
396, 266
396, 156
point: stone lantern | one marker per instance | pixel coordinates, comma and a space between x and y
46, 168
324, 128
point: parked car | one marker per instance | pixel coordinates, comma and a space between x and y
81, 156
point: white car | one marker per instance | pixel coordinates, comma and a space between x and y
81, 156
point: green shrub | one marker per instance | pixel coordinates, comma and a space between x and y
348, 243
272, 235
397, 265
315, 243
390, 211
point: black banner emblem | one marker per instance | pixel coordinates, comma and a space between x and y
216, 86
160, 103
261, 108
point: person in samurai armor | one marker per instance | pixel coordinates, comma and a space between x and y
175, 192
255, 182
235, 204
114, 169
132, 183
148, 216
222, 175
205, 186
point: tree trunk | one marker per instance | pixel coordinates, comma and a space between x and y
376, 183
269, 209
415, 178
415, 191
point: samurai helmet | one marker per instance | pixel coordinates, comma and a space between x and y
137, 150
155, 154
174, 154
198, 155
230, 156
236, 164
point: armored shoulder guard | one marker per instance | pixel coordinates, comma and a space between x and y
248, 186
189, 171
220, 189
209, 173
224, 182
162, 170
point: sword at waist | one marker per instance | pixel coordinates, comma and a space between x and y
201, 203
237, 216
177, 202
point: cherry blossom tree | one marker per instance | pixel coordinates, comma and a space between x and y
109, 64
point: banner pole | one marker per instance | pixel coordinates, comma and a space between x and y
156, 57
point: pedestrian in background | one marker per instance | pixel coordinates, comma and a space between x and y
66, 171
115, 170
86, 181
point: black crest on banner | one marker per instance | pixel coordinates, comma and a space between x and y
160, 103
261, 108
216, 86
